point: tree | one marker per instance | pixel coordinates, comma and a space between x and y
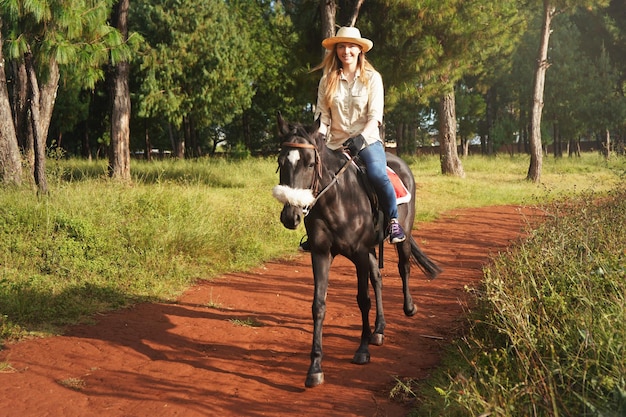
42, 39
470, 109
536, 151
450, 162
550, 9
430, 47
603, 40
41, 103
272, 37
119, 150
195, 69
10, 162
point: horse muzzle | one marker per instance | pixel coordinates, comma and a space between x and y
294, 200
291, 216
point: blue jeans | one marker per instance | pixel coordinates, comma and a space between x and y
374, 158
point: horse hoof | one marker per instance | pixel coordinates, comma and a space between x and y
377, 339
313, 380
361, 358
412, 312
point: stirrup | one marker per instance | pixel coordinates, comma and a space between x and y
304, 245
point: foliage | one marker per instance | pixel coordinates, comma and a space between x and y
227, 67
195, 64
75, 34
431, 45
273, 39
470, 110
581, 90
548, 335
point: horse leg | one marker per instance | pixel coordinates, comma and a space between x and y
321, 267
404, 267
362, 355
378, 336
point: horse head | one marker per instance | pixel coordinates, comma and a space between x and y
299, 166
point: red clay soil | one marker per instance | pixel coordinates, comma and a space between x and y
190, 358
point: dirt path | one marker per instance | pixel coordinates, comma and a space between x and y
192, 359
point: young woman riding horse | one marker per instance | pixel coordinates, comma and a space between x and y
319, 186
350, 102
324, 189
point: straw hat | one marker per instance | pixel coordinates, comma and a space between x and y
349, 35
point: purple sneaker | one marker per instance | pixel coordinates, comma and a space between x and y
396, 234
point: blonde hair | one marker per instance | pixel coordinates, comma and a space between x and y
331, 66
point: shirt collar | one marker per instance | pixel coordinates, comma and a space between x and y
356, 74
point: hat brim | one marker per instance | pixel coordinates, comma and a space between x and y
365, 44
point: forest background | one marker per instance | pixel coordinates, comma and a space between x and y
104, 79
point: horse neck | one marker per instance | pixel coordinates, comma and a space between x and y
332, 163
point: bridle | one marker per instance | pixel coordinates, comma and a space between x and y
315, 183
318, 173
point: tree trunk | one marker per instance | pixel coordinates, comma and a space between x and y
119, 152
328, 10
399, 138
85, 148
558, 145
245, 128
536, 156
36, 119
21, 113
486, 140
355, 12
10, 161
178, 145
450, 162
147, 143
465, 143
412, 138
607, 144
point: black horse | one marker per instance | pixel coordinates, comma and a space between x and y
324, 188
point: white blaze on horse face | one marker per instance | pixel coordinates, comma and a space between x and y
293, 157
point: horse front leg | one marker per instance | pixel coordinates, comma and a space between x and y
378, 336
321, 268
362, 355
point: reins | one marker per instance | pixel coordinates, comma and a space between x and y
318, 173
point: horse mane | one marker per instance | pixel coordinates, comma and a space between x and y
313, 136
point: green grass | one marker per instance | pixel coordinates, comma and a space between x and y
93, 245
548, 337
502, 180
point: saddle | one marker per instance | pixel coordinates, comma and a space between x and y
403, 196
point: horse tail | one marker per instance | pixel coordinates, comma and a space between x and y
425, 264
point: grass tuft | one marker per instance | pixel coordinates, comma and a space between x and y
76, 384
248, 322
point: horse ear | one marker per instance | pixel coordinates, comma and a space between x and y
283, 126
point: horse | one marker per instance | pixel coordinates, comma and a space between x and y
326, 190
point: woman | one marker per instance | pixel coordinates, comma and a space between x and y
350, 102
